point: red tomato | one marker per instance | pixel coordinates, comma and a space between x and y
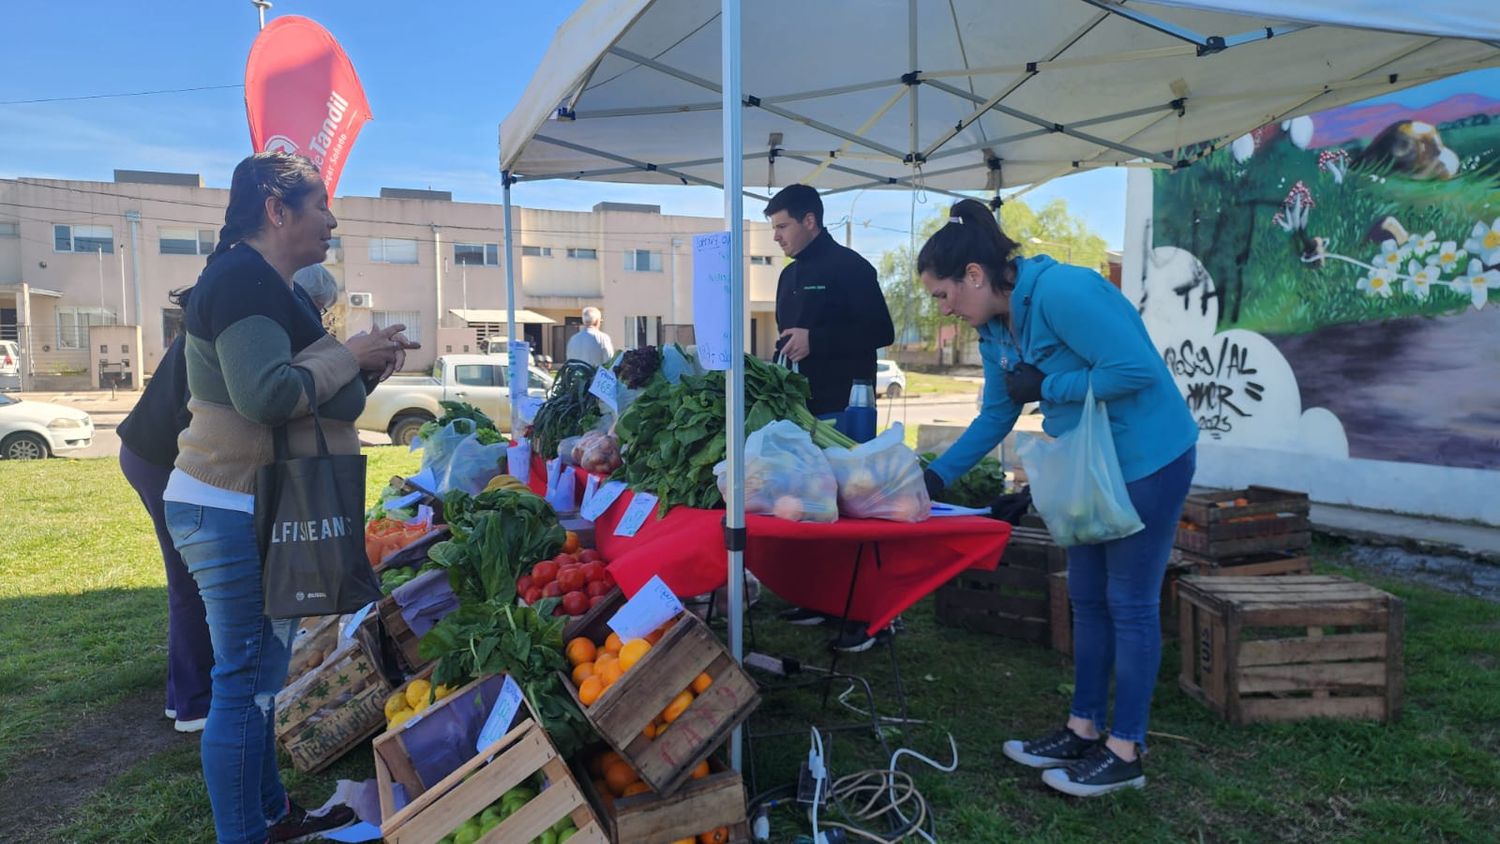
543, 573
564, 560
592, 571
533, 594
571, 579
609, 578
589, 555
552, 590
598, 588
596, 601
575, 603
523, 583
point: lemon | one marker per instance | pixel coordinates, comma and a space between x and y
401, 717
421, 705
394, 704
441, 691
418, 691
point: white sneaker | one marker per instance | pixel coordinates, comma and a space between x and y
171, 714
193, 726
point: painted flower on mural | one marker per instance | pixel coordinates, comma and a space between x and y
1422, 244
1448, 256
1477, 283
1391, 256
1484, 241
1377, 283
1420, 278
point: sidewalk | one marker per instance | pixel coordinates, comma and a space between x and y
89, 401
1418, 533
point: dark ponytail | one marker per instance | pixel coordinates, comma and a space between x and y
261, 176
971, 236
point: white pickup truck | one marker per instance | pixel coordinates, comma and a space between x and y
403, 403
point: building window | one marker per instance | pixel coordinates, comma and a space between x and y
476, 375
643, 260
477, 254
335, 251
83, 239
411, 319
73, 325
393, 250
187, 241
584, 254
8, 229
642, 331
763, 260
536, 251
171, 325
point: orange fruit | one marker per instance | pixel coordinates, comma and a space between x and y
590, 689
701, 770
613, 643
689, 840
610, 672
655, 635
632, 651
618, 777
717, 836
678, 705
604, 657
603, 760
701, 683
570, 543
582, 671
636, 788
580, 650
650, 730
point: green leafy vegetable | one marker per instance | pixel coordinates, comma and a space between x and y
569, 411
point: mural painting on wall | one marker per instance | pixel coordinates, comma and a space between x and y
1347, 261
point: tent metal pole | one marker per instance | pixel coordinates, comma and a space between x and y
510, 288
734, 410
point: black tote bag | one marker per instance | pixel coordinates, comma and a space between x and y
309, 521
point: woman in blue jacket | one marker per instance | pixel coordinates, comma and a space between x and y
1046, 332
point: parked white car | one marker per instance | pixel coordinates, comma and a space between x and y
890, 379
32, 430
10, 365
403, 403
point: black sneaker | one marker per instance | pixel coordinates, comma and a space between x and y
1054, 750
1099, 773
802, 617
855, 638
298, 825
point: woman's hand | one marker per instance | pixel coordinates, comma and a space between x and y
1024, 384
376, 350
399, 360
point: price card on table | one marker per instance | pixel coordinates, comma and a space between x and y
641, 507
359, 615
518, 460
498, 724
647, 610
590, 487
398, 503
606, 386
520, 353
596, 504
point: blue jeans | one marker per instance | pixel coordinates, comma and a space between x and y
1115, 588
251, 653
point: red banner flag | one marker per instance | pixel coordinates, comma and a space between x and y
302, 95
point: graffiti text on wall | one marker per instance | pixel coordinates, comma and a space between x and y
1219, 389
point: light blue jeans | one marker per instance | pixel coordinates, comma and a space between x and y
1115, 588
251, 653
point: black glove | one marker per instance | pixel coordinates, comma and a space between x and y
1024, 384
1010, 508
934, 483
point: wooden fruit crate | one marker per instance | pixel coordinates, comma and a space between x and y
1289, 648
702, 805
596, 617
1212, 526
1014, 599
335, 706
1250, 565
621, 713
416, 811
1062, 609
403, 640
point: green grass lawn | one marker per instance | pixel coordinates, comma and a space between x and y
82, 613
925, 384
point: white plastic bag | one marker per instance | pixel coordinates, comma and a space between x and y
458, 460
881, 479
561, 486
1076, 483
786, 475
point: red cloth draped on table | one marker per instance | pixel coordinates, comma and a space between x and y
804, 563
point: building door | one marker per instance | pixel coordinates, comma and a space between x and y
9, 329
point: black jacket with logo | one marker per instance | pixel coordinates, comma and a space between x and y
833, 292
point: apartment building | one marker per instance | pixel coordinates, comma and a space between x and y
76, 256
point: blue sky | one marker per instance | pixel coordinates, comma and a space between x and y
439, 76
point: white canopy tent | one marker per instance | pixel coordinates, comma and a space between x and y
943, 95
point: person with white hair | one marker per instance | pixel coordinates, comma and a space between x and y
319, 284
591, 345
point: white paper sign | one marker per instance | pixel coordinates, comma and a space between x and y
590, 487
649, 609
518, 460
398, 503
520, 352
498, 724
711, 303
359, 615
641, 507
600, 500
529, 407
606, 386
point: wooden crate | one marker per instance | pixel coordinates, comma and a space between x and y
435, 809
596, 617
1289, 648
1249, 565
621, 713
335, 706
1014, 599
1273, 520
1061, 633
702, 805
414, 554
404, 642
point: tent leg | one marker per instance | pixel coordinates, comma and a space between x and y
734, 410
510, 302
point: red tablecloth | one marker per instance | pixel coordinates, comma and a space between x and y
807, 564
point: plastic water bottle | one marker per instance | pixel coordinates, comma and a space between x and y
859, 416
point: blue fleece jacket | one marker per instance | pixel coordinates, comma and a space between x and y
1076, 327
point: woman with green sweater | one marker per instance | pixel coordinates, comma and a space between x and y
249, 331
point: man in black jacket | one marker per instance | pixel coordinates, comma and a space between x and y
829, 308
832, 317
